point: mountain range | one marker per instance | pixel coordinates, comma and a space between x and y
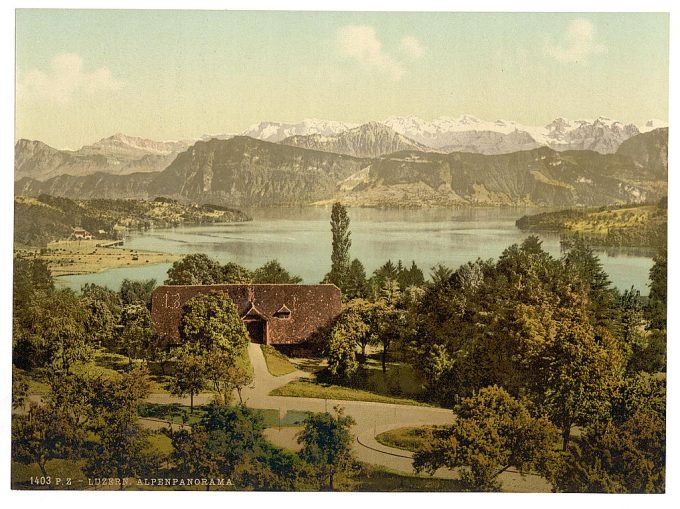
367, 140
245, 172
118, 154
121, 154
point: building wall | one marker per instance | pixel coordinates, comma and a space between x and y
311, 308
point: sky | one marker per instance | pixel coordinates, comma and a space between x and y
82, 75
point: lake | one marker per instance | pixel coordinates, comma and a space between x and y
300, 239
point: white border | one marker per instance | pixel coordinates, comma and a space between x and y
325, 500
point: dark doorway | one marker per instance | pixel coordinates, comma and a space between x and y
257, 330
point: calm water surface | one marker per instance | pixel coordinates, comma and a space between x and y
300, 239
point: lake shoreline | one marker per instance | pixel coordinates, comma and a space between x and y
82, 257
300, 239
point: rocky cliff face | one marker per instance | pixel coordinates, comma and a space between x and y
245, 172
35, 159
96, 185
540, 177
649, 152
368, 140
491, 143
602, 135
116, 155
121, 146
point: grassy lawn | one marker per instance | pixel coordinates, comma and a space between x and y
399, 384
84, 257
22, 473
379, 478
310, 389
110, 365
407, 438
103, 364
277, 363
399, 380
179, 414
160, 442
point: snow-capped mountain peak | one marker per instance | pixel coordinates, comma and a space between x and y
277, 131
470, 133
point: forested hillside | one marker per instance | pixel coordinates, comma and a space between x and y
643, 225
40, 220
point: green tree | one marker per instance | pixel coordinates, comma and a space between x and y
273, 273
19, 389
233, 274
274, 469
493, 432
354, 324
389, 326
390, 292
54, 332
439, 274
191, 373
212, 321
122, 447
31, 275
229, 441
658, 291
195, 269
356, 284
573, 377
122, 450
103, 294
582, 263
137, 292
640, 392
617, 458
137, 336
633, 339
235, 433
227, 373
342, 358
413, 276
384, 276
104, 310
341, 244
193, 456
41, 435
653, 357
327, 444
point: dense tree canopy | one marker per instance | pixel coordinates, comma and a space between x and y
195, 269
53, 332
326, 444
273, 273
212, 321
137, 292
492, 433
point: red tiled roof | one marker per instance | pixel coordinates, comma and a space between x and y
311, 307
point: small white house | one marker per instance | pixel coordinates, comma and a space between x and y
81, 234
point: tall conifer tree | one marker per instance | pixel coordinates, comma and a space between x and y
341, 243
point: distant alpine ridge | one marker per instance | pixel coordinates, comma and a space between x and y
312, 169
368, 140
118, 154
468, 133
277, 131
121, 154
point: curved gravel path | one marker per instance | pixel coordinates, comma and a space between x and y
371, 419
